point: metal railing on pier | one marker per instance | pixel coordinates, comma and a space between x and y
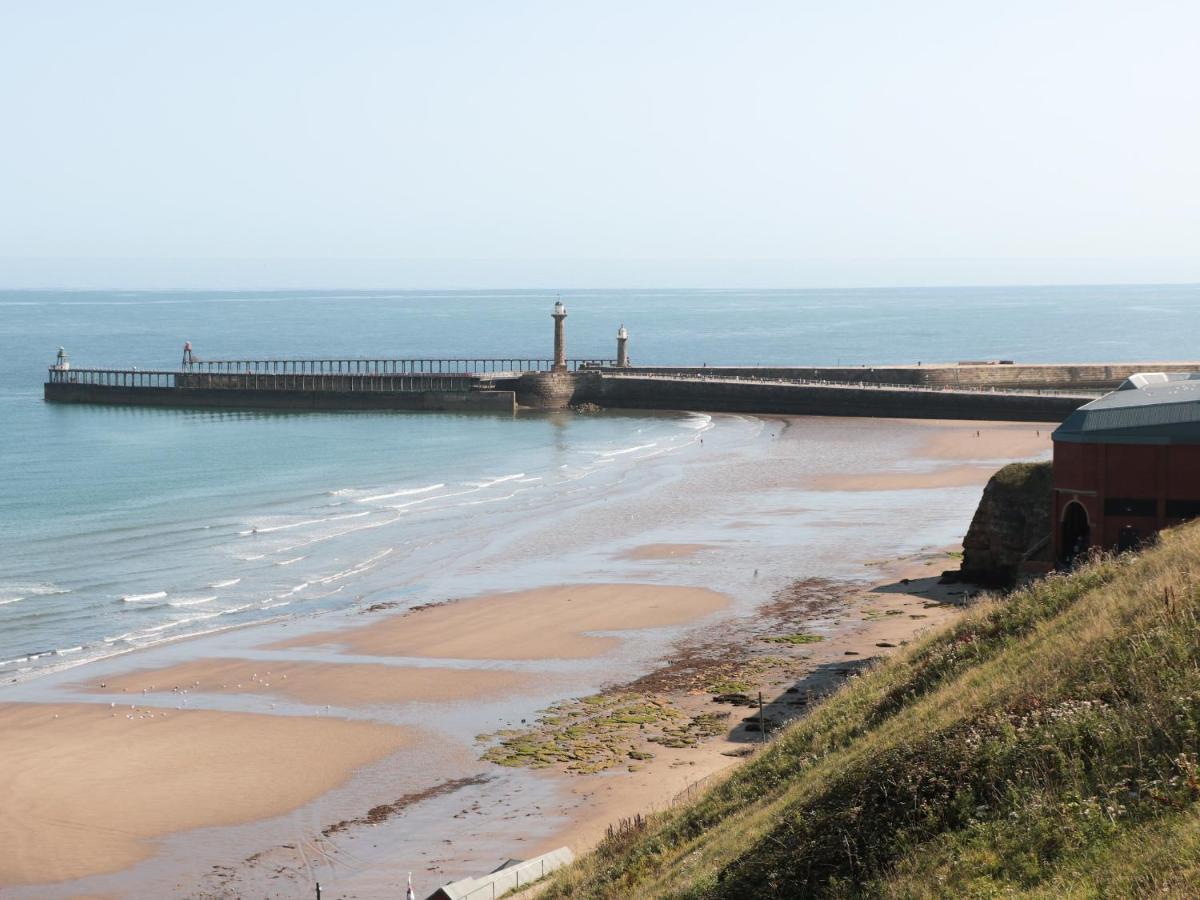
158, 378
262, 381
352, 366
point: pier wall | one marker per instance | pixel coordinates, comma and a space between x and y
550, 390
560, 390
238, 398
1084, 377
626, 392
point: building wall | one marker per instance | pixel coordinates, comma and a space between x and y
1146, 487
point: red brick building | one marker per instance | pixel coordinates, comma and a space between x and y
1128, 464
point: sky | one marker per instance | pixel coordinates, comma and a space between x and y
603, 144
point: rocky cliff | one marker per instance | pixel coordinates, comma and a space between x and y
1012, 520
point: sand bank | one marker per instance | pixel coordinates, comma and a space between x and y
975, 447
986, 440
87, 788
952, 476
544, 623
664, 551
338, 684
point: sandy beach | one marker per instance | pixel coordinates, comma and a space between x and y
343, 684
858, 625
664, 551
546, 713
973, 449
88, 788
543, 623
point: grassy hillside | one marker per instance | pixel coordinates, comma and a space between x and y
1044, 746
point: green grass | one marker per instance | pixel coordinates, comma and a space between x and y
1045, 745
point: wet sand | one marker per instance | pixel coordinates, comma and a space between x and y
986, 440
340, 684
88, 788
543, 623
664, 551
954, 476
968, 453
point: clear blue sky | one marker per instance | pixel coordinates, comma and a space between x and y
577, 143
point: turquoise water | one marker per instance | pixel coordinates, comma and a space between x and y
125, 527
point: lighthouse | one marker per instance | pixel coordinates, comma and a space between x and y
622, 347
560, 337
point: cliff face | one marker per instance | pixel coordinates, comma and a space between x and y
1012, 518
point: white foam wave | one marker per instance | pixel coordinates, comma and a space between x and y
494, 481
488, 500
268, 529
232, 609
8, 600
14, 591
9, 662
606, 455
64, 651
355, 569
144, 598
405, 493
221, 584
288, 562
358, 568
696, 422
250, 558
298, 588
277, 605
194, 602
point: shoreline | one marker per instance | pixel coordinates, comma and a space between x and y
447, 672
857, 625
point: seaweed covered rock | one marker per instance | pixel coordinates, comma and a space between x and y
1011, 525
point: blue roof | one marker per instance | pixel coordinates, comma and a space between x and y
1148, 408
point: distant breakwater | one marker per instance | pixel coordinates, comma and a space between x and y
1001, 376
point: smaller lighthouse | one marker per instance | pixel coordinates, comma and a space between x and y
622, 347
560, 337
62, 362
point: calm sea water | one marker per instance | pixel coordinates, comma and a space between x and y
121, 528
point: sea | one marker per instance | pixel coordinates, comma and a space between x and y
123, 528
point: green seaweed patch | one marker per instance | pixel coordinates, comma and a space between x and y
730, 686
740, 679
800, 637
598, 732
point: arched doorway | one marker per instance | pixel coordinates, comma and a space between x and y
1076, 533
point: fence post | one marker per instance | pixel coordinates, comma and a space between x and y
762, 721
